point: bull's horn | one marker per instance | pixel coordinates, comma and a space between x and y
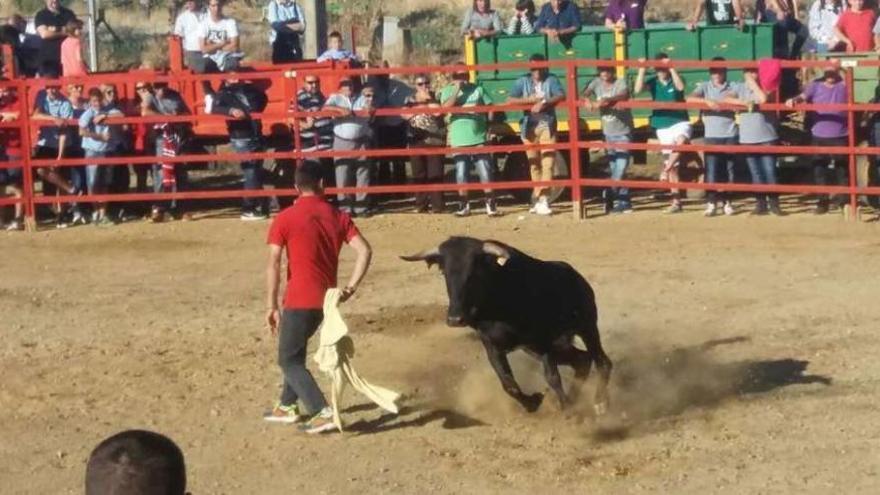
427, 253
497, 250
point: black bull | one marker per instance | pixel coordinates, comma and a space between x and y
515, 301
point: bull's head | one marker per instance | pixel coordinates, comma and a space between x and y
467, 265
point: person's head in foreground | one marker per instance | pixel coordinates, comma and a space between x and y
136, 462
308, 179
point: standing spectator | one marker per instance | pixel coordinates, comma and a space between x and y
718, 12
335, 50
77, 173
95, 135
673, 127
52, 142
218, 39
50, 23
758, 128
352, 132
543, 91
523, 19
617, 125
122, 144
136, 462
10, 150
855, 27
623, 15
188, 26
315, 133
288, 22
71, 50
481, 21
785, 14
874, 140
719, 129
829, 128
390, 133
426, 131
239, 100
26, 46
558, 19
156, 100
469, 131
822, 19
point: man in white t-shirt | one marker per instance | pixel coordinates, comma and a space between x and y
189, 26
218, 39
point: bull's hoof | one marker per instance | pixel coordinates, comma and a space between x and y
532, 402
600, 408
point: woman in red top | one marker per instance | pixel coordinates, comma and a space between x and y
855, 27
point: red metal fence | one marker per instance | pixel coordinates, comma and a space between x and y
575, 142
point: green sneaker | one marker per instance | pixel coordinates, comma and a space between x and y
284, 414
320, 423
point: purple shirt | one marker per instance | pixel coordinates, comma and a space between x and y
830, 123
633, 10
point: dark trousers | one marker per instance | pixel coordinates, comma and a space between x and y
391, 169
720, 167
428, 170
874, 169
835, 164
286, 49
297, 326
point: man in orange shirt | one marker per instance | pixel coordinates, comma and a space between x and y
312, 232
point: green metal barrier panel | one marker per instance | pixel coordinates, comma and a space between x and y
499, 90
518, 49
485, 54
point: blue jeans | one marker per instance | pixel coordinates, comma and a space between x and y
481, 162
720, 167
763, 170
787, 25
97, 176
252, 171
618, 161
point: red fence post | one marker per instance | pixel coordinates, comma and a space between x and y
851, 142
297, 132
27, 182
571, 100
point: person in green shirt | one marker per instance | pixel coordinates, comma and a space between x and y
673, 127
468, 131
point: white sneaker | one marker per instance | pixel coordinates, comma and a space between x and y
542, 207
728, 208
464, 211
78, 218
491, 210
710, 210
209, 103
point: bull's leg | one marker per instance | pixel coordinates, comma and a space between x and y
551, 373
603, 364
498, 360
579, 360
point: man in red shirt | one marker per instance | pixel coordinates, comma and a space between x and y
10, 150
312, 232
855, 27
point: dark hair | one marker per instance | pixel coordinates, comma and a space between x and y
136, 462
488, 5
96, 93
661, 56
346, 82
527, 5
537, 57
335, 34
307, 176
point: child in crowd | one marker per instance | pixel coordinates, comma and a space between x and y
855, 27
71, 50
96, 141
335, 50
523, 19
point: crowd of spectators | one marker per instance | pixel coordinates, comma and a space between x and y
345, 118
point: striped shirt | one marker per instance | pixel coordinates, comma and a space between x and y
320, 135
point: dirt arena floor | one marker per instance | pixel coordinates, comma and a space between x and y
746, 353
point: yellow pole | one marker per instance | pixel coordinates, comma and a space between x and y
470, 57
620, 51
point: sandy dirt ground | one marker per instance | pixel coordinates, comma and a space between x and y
745, 355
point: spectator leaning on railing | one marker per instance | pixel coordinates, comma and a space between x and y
558, 19
718, 12
315, 133
188, 26
523, 19
481, 21
95, 135
426, 131
50, 23
288, 22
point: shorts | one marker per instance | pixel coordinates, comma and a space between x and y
669, 135
10, 176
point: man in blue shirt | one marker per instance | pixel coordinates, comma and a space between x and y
538, 126
53, 141
558, 18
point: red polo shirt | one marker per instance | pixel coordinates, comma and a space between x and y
313, 232
858, 27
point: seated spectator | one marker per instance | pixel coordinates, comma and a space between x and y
426, 130
758, 128
96, 140
558, 19
829, 128
50, 23
352, 132
480, 21
617, 125
822, 19
71, 50
622, 15
719, 129
239, 100
219, 41
52, 144
136, 462
673, 127
469, 132
10, 150
855, 27
523, 19
188, 26
784, 13
543, 91
288, 22
159, 99
718, 12
335, 50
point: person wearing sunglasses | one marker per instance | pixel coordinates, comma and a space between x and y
315, 133
426, 131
